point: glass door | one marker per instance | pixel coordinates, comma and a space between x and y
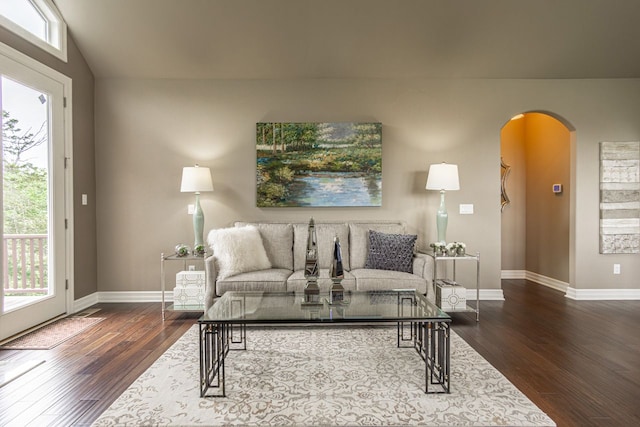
33, 198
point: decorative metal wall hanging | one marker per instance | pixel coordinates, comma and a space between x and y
504, 173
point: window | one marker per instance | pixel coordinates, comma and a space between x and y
37, 21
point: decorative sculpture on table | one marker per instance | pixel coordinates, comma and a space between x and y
336, 294
311, 290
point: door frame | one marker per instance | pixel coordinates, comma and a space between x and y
525, 274
66, 83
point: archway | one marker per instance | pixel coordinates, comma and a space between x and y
538, 220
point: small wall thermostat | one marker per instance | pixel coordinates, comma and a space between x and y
557, 188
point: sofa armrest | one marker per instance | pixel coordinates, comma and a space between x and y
423, 267
419, 265
211, 276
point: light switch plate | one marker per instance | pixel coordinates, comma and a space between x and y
190, 209
466, 209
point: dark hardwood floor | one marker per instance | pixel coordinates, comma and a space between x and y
579, 361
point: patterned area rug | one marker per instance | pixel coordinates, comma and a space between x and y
322, 376
53, 334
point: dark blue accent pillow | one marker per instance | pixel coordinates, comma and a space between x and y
391, 251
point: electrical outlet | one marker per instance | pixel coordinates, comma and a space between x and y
192, 268
191, 209
616, 268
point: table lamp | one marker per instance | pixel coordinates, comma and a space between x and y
196, 180
442, 177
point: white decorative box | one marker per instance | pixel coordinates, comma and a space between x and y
189, 290
450, 295
190, 279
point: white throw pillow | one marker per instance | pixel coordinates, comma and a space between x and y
238, 250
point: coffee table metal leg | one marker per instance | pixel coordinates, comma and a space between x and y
431, 342
213, 350
437, 362
238, 335
216, 340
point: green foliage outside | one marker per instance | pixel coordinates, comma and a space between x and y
24, 192
285, 150
25, 199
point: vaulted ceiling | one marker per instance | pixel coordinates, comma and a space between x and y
265, 39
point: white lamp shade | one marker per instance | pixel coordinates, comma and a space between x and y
443, 176
196, 179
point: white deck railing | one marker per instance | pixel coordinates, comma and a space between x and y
25, 264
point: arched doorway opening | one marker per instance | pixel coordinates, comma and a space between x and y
537, 154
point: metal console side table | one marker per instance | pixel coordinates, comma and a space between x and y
185, 260
459, 258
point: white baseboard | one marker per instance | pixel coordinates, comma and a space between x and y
134, 296
84, 302
549, 282
603, 294
513, 274
573, 293
124, 296
485, 295
535, 277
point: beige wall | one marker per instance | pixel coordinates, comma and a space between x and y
85, 246
514, 215
147, 130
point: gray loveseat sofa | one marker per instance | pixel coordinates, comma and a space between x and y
285, 247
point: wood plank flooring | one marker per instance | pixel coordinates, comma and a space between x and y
579, 361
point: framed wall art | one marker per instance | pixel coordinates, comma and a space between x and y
619, 197
318, 164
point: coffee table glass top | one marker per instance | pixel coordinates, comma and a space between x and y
290, 307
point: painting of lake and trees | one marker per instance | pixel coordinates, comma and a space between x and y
319, 164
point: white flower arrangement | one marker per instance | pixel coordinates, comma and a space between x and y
437, 247
459, 248
451, 246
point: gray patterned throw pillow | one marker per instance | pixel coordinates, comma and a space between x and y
391, 251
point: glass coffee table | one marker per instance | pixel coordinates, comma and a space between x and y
420, 324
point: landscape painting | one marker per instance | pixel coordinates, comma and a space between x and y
319, 164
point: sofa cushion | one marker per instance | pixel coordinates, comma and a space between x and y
376, 280
325, 232
238, 250
296, 282
391, 251
359, 239
272, 280
278, 242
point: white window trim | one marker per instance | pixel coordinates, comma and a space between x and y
56, 29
